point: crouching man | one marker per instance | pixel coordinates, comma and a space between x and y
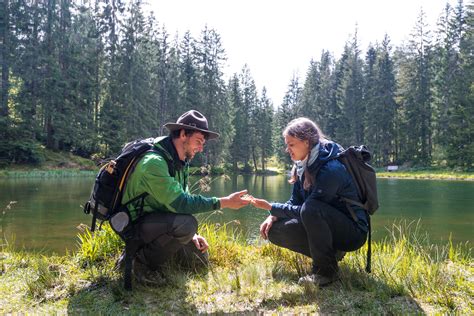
164, 219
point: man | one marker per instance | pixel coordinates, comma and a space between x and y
164, 220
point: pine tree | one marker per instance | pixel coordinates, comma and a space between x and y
234, 99
460, 125
211, 57
310, 107
263, 130
4, 62
112, 112
325, 98
250, 110
286, 112
415, 78
350, 126
446, 68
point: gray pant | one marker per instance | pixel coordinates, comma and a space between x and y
167, 236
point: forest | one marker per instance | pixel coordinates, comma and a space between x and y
88, 76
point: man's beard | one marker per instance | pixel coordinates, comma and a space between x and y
188, 154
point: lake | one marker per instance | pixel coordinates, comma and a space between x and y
47, 211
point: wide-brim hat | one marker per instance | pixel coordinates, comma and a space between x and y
193, 120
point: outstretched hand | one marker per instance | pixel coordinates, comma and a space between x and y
261, 203
234, 200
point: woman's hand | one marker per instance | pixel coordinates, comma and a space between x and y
266, 225
261, 203
200, 243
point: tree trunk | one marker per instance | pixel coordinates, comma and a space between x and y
254, 157
4, 58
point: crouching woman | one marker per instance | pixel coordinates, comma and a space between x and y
315, 221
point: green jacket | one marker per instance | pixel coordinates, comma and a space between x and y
165, 193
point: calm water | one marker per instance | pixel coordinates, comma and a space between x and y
48, 211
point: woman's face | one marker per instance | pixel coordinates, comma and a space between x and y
297, 148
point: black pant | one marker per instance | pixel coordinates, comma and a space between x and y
168, 235
321, 231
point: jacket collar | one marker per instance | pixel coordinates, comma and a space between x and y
166, 143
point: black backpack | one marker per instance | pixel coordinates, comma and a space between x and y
356, 159
105, 201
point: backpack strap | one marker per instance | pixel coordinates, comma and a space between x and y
369, 247
142, 196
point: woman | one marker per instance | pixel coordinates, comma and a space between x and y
315, 221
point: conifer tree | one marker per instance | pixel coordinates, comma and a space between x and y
211, 57
460, 126
235, 101
287, 111
349, 129
263, 130
415, 95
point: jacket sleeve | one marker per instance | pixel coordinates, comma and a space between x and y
165, 191
292, 208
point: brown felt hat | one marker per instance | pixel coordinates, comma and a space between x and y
192, 120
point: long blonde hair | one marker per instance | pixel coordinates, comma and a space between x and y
303, 129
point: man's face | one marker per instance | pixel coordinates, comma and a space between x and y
193, 144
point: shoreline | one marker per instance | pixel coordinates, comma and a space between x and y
78, 172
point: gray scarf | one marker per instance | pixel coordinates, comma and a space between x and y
308, 161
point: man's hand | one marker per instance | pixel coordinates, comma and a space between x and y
266, 225
200, 243
234, 200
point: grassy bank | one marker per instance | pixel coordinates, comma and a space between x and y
408, 276
55, 164
63, 164
432, 174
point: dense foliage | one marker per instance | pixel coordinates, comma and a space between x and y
88, 76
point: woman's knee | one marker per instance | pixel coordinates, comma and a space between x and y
311, 211
275, 235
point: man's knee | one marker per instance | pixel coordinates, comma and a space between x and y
184, 228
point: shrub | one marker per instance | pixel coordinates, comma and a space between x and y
24, 151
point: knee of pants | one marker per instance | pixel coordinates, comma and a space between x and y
185, 226
276, 236
311, 211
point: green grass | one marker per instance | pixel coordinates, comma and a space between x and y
410, 276
56, 165
434, 174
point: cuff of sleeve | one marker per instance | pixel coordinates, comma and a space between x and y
273, 207
216, 205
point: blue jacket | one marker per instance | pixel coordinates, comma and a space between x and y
332, 181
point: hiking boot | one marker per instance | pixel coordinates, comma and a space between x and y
318, 279
339, 255
145, 276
